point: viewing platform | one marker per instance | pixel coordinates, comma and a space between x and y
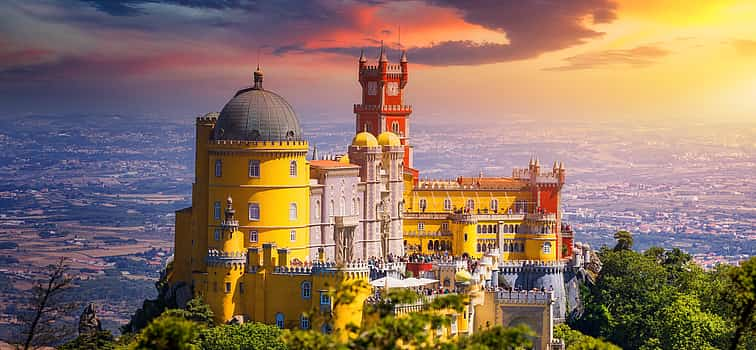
388, 109
524, 297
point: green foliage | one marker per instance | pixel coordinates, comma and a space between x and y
102, 340
497, 337
152, 308
574, 340
168, 332
743, 293
660, 299
624, 241
196, 310
248, 336
687, 327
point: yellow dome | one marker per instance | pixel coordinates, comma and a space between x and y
462, 276
364, 139
344, 159
388, 138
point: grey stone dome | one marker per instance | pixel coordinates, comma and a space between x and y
255, 114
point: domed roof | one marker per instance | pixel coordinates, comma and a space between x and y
255, 114
388, 138
364, 139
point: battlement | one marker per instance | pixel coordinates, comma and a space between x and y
359, 108
524, 297
348, 270
517, 266
261, 144
217, 258
452, 265
209, 118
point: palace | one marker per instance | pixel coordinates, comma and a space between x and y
271, 233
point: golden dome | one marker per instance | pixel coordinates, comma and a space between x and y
388, 138
344, 159
364, 139
462, 276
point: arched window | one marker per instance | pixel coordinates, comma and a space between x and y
447, 204
292, 211
470, 204
218, 168
495, 204
477, 229
423, 204
517, 229
280, 320
506, 228
293, 168
317, 210
330, 209
477, 248
306, 290
395, 127
430, 245
547, 247
490, 229
342, 206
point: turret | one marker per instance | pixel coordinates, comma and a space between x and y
363, 60
405, 72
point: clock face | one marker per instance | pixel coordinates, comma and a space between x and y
392, 89
372, 88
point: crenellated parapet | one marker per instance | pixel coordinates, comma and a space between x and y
527, 297
518, 266
220, 258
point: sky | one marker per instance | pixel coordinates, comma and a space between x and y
599, 60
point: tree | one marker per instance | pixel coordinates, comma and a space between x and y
153, 308
574, 340
248, 336
42, 325
168, 333
101, 340
196, 310
685, 326
743, 280
624, 240
498, 337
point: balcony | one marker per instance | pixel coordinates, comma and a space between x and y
343, 221
541, 217
386, 109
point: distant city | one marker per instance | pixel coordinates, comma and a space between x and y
101, 190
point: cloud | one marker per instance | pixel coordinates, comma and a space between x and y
639, 56
745, 47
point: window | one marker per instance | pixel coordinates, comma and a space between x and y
395, 127
253, 236
306, 290
218, 168
217, 234
254, 168
547, 247
423, 204
445, 227
317, 210
293, 235
280, 320
228, 287
420, 226
495, 204
217, 210
293, 168
292, 211
325, 299
326, 328
447, 204
254, 211
241, 287
465, 237
304, 322
470, 204
354, 206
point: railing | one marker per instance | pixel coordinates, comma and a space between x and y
382, 108
541, 217
426, 216
524, 297
428, 234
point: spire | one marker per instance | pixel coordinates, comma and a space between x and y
315, 152
404, 57
362, 56
258, 78
382, 57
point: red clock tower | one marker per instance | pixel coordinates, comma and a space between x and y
383, 108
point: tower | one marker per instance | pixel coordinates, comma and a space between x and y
383, 107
